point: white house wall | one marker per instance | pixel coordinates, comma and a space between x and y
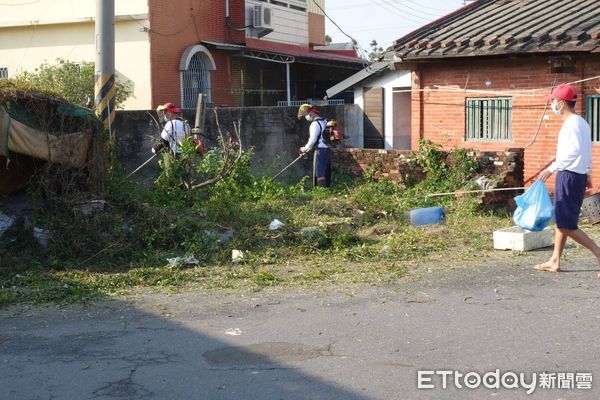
33, 34
388, 81
56, 11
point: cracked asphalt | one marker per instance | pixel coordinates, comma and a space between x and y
335, 343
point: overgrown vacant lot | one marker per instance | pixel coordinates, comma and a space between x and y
358, 233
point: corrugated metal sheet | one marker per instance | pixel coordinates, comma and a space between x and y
360, 76
489, 27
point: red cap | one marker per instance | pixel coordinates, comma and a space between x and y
171, 107
314, 110
563, 92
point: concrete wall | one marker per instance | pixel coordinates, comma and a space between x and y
275, 133
390, 80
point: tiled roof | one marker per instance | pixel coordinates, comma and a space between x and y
489, 27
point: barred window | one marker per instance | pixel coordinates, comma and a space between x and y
592, 115
3, 73
488, 119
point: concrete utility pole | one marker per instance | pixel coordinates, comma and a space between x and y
105, 62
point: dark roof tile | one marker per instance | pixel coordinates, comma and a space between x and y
506, 27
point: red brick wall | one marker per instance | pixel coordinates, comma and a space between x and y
316, 29
440, 116
395, 165
175, 25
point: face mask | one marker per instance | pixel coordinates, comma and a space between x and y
166, 118
309, 118
555, 109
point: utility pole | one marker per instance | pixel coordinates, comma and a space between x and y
105, 63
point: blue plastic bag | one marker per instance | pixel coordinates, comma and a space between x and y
534, 208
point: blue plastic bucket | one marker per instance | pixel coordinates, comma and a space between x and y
427, 216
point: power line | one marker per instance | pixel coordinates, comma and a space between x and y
354, 41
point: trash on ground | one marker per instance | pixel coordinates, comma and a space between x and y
427, 216
233, 332
276, 224
90, 207
221, 238
225, 237
42, 236
187, 260
519, 239
485, 183
237, 256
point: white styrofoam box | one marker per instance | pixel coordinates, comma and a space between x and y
519, 239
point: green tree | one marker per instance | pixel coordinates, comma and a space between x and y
376, 51
73, 81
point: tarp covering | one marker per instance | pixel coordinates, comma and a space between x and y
71, 148
46, 128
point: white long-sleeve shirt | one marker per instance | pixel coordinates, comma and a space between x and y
174, 132
316, 127
574, 148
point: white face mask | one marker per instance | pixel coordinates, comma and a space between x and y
555, 109
309, 118
166, 118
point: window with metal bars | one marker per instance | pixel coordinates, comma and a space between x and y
592, 115
3, 73
195, 80
488, 119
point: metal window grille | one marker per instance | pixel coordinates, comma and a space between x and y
3, 73
195, 80
489, 119
296, 103
592, 115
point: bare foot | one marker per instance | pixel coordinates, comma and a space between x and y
547, 267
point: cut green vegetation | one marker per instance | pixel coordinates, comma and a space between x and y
356, 232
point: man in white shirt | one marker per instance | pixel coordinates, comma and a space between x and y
574, 164
175, 128
322, 157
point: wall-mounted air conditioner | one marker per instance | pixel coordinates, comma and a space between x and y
262, 17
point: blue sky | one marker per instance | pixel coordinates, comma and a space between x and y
383, 20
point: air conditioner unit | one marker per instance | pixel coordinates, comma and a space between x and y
262, 17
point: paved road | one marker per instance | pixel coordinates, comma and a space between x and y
344, 343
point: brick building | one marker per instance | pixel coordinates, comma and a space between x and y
477, 78
238, 52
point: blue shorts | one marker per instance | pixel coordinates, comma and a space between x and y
322, 165
568, 198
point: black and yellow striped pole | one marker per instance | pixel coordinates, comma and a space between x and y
105, 63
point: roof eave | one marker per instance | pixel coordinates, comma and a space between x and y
360, 76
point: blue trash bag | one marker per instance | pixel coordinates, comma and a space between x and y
534, 208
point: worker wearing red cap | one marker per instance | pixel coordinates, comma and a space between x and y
322, 155
175, 128
574, 164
